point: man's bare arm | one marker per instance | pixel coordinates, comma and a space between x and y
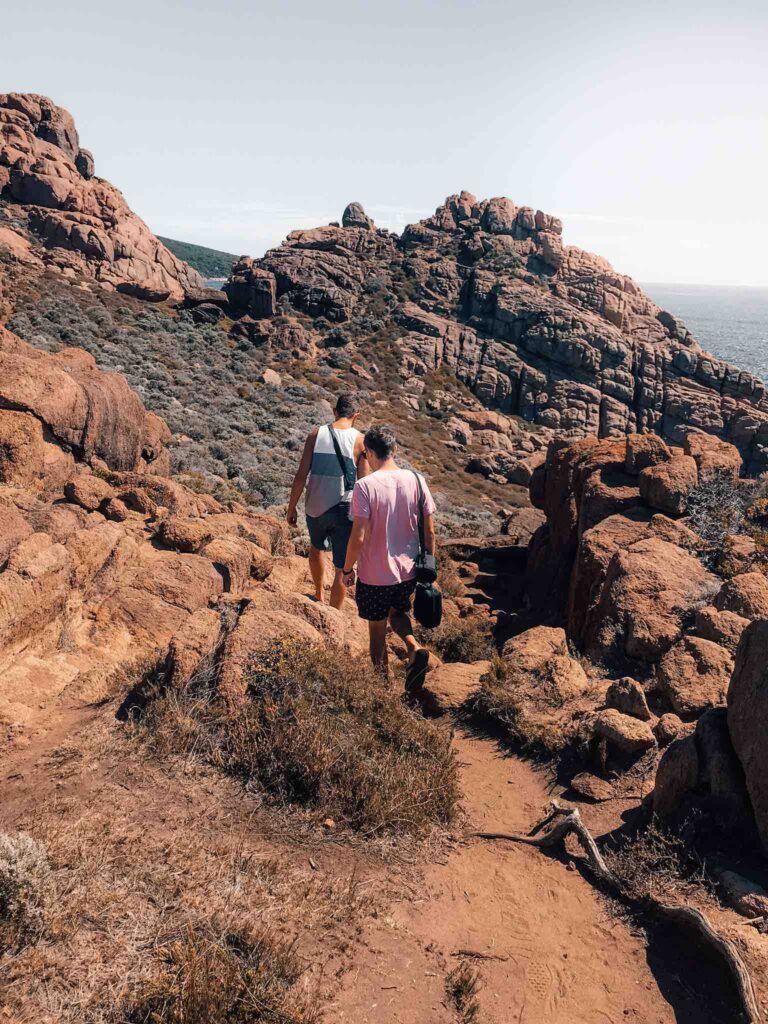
356, 538
363, 469
300, 480
430, 538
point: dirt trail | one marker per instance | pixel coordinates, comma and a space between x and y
562, 957
550, 949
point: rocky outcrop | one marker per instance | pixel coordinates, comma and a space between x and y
106, 563
62, 216
623, 576
633, 592
535, 328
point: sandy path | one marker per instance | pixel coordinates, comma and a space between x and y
566, 960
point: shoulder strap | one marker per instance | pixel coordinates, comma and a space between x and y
348, 484
422, 545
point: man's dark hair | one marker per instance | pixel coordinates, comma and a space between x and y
381, 441
346, 406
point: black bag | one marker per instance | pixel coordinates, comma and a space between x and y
350, 475
427, 605
427, 600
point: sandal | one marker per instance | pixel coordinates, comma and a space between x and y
414, 677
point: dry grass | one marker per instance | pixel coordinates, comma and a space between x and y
463, 640
26, 890
461, 987
157, 875
206, 978
320, 730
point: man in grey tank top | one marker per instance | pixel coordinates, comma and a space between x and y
332, 460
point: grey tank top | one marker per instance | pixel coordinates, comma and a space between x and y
326, 486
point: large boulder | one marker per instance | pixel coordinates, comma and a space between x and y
676, 776
191, 647
628, 697
745, 595
256, 627
595, 552
724, 628
88, 491
694, 675
648, 590
702, 770
627, 734
449, 686
666, 485
541, 660
645, 451
354, 216
92, 413
748, 717
540, 689
712, 456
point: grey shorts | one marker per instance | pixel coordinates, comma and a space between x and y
331, 530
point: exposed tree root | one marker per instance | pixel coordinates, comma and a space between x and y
561, 822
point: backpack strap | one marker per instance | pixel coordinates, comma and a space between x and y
345, 471
422, 545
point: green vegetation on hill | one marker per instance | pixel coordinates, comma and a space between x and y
208, 262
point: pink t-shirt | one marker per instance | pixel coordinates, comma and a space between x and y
389, 499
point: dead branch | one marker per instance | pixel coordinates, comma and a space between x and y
567, 821
474, 954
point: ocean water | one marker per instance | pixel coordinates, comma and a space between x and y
731, 323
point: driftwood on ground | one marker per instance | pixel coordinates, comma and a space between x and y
561, 822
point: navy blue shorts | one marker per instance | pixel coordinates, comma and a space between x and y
375, 603
331, 530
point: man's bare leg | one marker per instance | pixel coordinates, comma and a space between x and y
338, 590
401, 624
418, 657
317, 568
377, 637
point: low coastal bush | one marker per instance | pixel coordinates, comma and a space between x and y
319, 729
466, 640
535, 719
716, 509
659, 862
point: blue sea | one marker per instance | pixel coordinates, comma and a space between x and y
731, 323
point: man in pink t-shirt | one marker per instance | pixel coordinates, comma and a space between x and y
385, 544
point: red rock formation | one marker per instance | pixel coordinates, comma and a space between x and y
75, 221
535, 328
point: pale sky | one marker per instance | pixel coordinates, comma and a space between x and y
643, 125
